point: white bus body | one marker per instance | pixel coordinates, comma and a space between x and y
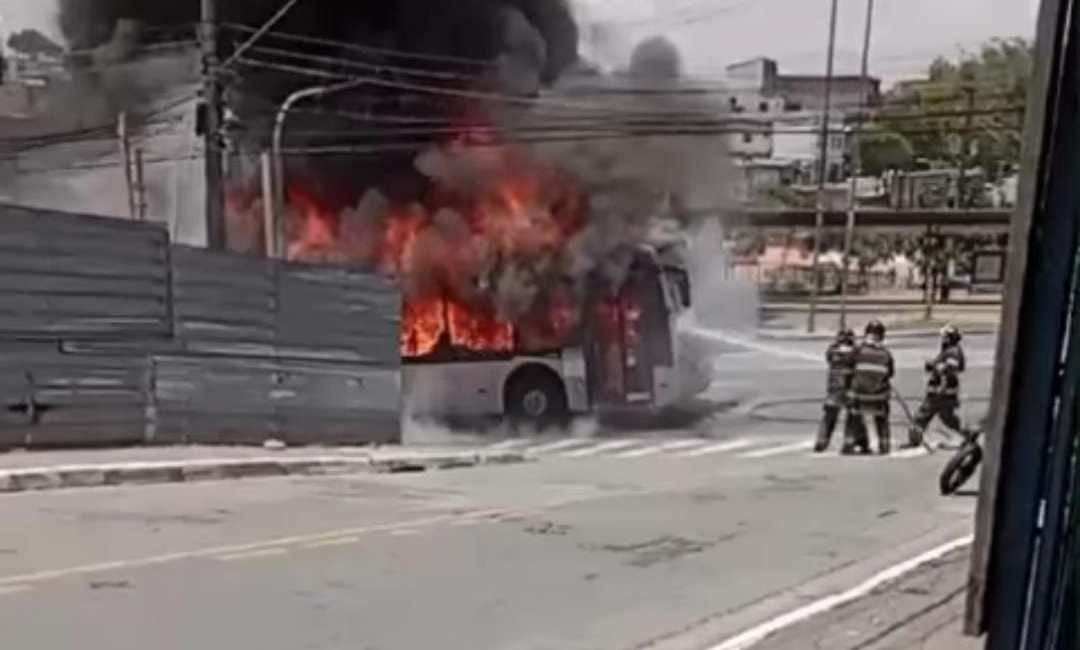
659, 371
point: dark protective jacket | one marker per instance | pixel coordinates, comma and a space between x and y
945, 369
841, 359
874, 370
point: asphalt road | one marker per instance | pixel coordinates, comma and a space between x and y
627, 539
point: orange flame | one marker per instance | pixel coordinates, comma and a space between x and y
527, 215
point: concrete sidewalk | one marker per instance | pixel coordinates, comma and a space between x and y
922, 610
46, 470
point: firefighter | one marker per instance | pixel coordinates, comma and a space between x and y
871, 386
942, 396
840, 355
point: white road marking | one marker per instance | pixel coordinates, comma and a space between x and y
340, 541
614, 445
915, 452
461, 523
405, 532
556, 446
53, 574
14, 589
252, 555
512, 443
718, 448
674, 445
23, 581
760, 632
778, 450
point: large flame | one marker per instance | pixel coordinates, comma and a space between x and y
457, 257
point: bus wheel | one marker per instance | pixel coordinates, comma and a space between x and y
536, 399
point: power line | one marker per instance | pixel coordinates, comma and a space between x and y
374, 68
364, 49
479, 95
426, 144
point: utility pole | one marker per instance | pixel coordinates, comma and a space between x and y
215, 190
823, 168
856, 166
124, 134
140, 185
965, 148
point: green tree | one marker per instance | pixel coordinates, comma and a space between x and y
968, 111
33, 43
881, 150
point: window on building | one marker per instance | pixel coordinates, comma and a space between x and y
747, 138
763, 107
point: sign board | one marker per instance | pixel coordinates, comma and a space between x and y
987, 269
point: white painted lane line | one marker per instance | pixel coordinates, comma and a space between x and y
556, 446
674, 445
779, 450
13, 589
758, 633
405, 532
252, 555
23, 580
614, 445
718, 448
340, 541
461, 523
101, 567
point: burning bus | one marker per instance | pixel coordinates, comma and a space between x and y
527, 291
621, 352
519, 297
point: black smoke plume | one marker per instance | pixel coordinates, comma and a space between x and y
462, 28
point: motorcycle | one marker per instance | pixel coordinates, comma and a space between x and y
961, 467
964, 462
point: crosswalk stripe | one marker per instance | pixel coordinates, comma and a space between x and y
614, 445
556, 446
651, 450
910, 453
730, 445
512, 443
777, 450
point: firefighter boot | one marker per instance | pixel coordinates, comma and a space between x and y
884, 435
825, 430
915, 437
854, 432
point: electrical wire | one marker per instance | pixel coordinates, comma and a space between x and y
363, 49
360, 65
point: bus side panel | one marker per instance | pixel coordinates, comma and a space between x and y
455, 388
575, 380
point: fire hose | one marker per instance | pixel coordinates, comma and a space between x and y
910, 418
963, 463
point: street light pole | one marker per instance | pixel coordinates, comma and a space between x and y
823, 167
278, 164
856, 165
215, 190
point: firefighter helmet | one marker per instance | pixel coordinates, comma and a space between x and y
876, 329
845, 335
950, 335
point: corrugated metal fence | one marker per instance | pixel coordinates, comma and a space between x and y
110, 335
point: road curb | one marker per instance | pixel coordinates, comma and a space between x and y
193, 471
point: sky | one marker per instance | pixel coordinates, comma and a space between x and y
908, 34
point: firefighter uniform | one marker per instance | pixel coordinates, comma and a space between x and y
840, 357
942, 397
871, 384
